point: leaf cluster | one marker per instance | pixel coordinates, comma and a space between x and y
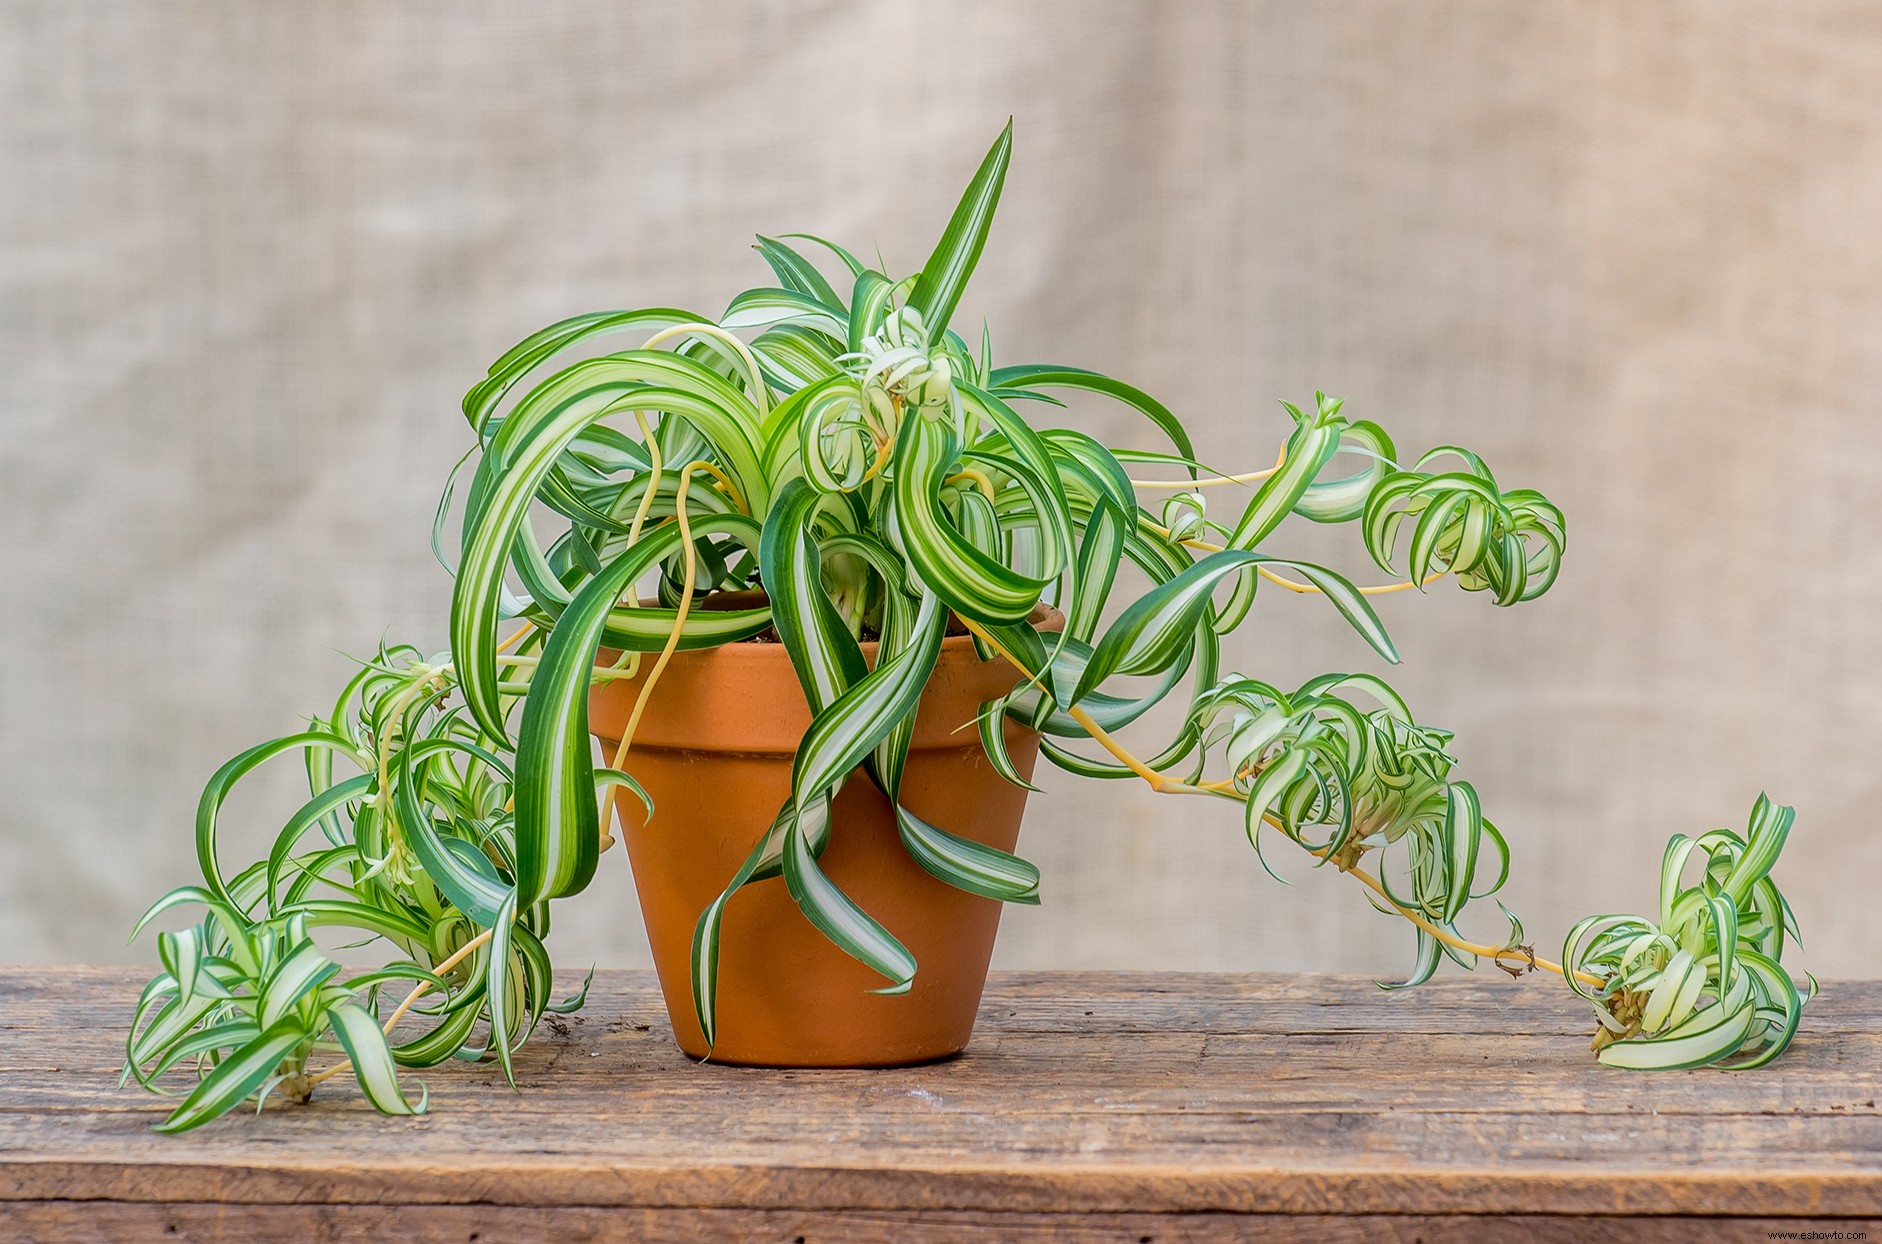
1701, 984
406, 839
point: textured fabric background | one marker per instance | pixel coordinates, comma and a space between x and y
251, 255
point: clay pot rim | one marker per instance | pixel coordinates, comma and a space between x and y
1043, 617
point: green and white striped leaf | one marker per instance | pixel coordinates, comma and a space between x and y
972, 583
373, 1066
1033, 466
606, 779
1272, 786
526, 447
1780, 1010
1099, 552
181, 954
1309, 448
1344, 499
481, 403
849, 261
304, 970
992, 726
646, 628
835, 914
765, 861
1713, 1033
952, 261
870, 305
1010, 382
793, 356
1769, 829
558, 829
449, 1038
1155, 630
849, 729
231, 1035
235, 1077
765, 308
1424, 967
315, 811
966, 864
498, 987
795, 272
834, 441
821, 648
961, 862
174, 1016
387, 922
1462, 835
476, 892
210, 805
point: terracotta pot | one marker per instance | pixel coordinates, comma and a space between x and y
714, 750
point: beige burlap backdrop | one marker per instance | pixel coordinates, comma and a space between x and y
251, 255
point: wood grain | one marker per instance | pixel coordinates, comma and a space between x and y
85, 1222
1089, 1106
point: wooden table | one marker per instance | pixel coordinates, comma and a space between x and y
1091, 1106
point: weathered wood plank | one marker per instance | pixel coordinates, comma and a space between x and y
85, 1222
1486, 1003
1172, 1095
1232, 1079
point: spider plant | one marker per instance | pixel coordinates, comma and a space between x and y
831, 446
248, 996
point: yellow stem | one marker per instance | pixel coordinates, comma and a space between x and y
1158, 782
630, 661
1206, 547
653, 483
980, 481
600, 673
1168, 786
398, 1014
1210, 482
690, 556
1451, 939
725, 483
760, 395
1378, 589
883, 448
394, 724
654, 471
1248, 478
